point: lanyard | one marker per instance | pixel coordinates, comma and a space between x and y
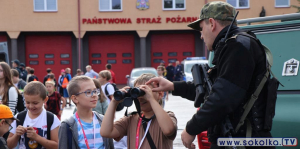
137, 145
85, 139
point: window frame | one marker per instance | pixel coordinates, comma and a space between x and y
45, 7
110, 9
174, 6
237, 4
282, 6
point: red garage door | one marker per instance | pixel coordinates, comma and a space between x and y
171, 47
115, 49
51, 51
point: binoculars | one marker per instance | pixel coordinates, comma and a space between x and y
128, 97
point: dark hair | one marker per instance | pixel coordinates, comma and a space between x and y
222, 23
36, 88
51, 76
7, 83
14, 73
98, 86
31, 71
49, 70
108, 66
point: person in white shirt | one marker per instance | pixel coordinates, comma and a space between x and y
107, 88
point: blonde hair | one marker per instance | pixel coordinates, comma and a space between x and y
35, 88
98, 86
142, 79
50, 82
88, 66
105, 74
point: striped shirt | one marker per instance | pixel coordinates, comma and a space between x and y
95, 140
12, 99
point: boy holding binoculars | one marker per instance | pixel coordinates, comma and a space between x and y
160, 126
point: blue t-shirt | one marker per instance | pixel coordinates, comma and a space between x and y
94, 138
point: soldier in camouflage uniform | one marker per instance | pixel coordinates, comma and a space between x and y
240, 64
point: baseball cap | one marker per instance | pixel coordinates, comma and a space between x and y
62, 70
216, 10
16, 61
5, 113
22, 64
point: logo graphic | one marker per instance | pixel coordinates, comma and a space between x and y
142, 4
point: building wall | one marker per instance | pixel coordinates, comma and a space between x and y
20, 16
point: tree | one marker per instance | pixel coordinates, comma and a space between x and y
297, 7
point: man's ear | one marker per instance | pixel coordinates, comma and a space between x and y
2, 121
212, 23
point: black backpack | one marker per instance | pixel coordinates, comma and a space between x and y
50, 118
120, 105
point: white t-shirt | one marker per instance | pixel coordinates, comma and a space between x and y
110, 90
40, 124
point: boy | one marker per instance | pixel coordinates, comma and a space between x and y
32, 76
162, 126
82, 130
54, 100
19, 83
34, 131
6, 118
107, 88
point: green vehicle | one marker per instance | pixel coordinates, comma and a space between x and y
283, 39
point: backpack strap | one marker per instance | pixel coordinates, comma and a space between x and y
21, 117
69, 135
106, 92
50, 119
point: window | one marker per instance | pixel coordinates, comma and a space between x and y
157, 54
45, 5
172, 54
172, 60
111, 54
239, 4
49, 55
112, 61
187, 53
33, 62
173, 4
33, 56
126, 54
110, 5
49, 62
64, 55
65, 62
282, 3
96, 61
96, 55
126, 61
157, 60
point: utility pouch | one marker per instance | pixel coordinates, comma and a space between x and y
273, 84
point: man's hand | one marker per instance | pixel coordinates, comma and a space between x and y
187, 140
148, 92
162, 84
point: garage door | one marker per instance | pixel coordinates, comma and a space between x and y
171, 47
49, 51
117, 50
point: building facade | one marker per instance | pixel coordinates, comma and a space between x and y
126, 33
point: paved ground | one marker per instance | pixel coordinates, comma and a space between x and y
182, 108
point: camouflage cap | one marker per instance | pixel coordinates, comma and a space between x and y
217, 10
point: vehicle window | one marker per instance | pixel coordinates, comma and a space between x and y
188, 68
137, 73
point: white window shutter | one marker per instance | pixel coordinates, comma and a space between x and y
104, 4
51, 5
39, 5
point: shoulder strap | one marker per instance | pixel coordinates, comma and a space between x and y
105, 89
69, 135
50, 119
21, 117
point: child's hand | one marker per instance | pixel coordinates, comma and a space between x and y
148, 92
31, 133
20, 130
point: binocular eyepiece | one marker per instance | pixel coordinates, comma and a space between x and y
131, 92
